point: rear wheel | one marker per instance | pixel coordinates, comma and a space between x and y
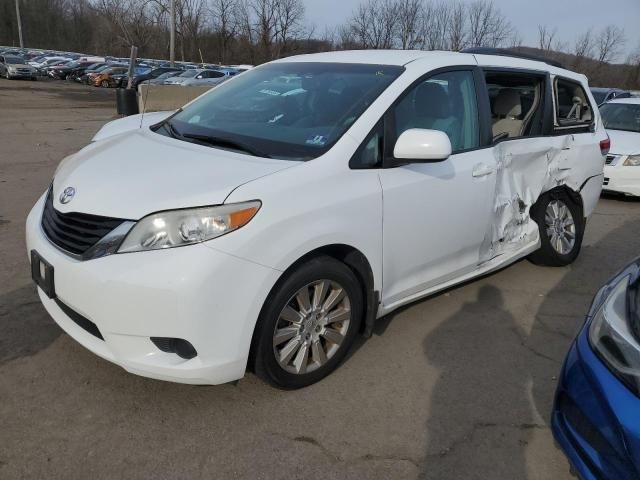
561, 228
308, 324
104, 84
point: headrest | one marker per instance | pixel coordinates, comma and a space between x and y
507, 103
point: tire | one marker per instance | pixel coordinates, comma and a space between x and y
561, 226
315, 347
104, 84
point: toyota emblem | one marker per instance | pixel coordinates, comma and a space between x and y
67, 195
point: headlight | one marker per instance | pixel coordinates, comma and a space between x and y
632, 161
614, 336
176, 228
11, 69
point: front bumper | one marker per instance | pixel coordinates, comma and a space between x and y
595, 417
22, 74
196, 293
622, 179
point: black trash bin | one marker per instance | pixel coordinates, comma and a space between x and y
127, 101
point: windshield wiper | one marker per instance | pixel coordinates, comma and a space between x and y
173, 131
223, 142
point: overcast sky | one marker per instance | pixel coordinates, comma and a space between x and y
571, 17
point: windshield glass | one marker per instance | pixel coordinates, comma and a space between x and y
14, 60
621, 116
189, 73
599, 95
292, 110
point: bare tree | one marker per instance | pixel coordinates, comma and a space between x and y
436, 18
585, 44
373, 23
457, 30
226, 23
289, 24
488, 27
609, 43
546, 36
410, 26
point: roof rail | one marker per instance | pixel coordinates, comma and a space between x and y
510, 53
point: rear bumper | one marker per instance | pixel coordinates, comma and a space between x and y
195, 293
595, 419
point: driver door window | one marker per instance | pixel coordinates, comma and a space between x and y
445, 102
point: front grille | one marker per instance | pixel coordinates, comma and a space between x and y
74, 232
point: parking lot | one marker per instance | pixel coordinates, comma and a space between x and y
458, 386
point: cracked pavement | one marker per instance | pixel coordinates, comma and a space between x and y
458, 386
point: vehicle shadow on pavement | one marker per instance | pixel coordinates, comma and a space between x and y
25, 326
496, 384
468, 422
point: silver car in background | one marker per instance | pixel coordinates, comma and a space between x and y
15, 67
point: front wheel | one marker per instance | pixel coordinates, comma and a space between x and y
104, 84
561, 226
308, 324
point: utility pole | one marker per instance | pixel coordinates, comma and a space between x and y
19, 23
172, 33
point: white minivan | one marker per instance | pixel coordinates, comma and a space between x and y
268, 222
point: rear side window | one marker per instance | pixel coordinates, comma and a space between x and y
516, 101
572, 107
445, 102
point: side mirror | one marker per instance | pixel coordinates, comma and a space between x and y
418, 145
199, 77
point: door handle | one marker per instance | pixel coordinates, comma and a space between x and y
481, 170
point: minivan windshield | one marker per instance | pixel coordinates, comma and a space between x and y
289, 110
621, 116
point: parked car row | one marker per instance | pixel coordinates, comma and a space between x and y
108, 71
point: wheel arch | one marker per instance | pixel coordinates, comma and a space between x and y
573, 195
359, 265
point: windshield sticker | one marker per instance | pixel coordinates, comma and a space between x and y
317, 140
270, 92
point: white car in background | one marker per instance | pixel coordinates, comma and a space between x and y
621, 118
206, 78
267, 223
191, 74
45, 62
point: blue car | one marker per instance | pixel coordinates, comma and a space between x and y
596, 415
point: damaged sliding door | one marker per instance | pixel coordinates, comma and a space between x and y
525, 168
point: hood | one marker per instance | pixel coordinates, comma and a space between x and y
139, 172
624, 143
132, 122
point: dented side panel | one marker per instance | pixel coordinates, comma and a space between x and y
526, 168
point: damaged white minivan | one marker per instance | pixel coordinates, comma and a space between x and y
268, 222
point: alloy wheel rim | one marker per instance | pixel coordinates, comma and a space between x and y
561, 227
312, 327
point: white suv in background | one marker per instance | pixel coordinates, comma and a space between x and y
271, 220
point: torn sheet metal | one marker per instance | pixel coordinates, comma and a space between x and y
524, 170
